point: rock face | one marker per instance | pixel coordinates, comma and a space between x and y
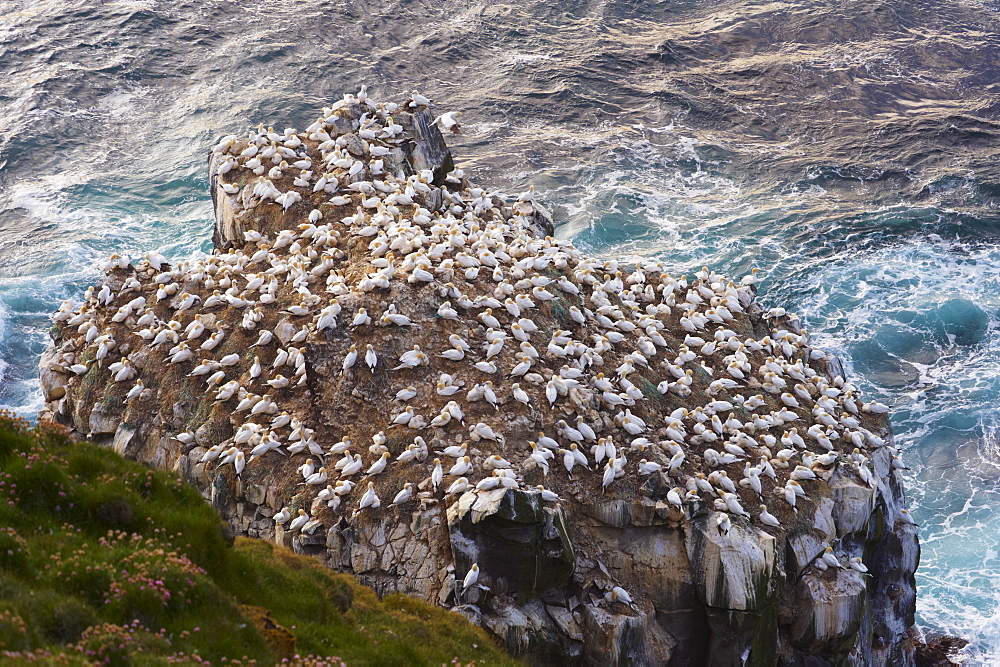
613, 430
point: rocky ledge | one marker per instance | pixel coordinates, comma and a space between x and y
405, 376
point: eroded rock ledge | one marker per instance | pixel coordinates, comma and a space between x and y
691, 407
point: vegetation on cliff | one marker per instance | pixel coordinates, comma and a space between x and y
102, 559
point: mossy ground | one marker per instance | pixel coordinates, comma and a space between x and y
103, 560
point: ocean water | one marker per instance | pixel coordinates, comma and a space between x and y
849, 150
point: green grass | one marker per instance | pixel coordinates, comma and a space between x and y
104, 560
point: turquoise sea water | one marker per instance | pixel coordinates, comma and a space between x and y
849, 152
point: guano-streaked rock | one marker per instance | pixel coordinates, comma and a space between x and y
363, 215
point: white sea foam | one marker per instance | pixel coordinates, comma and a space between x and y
4, 327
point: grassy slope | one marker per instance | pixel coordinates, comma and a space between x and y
102, 558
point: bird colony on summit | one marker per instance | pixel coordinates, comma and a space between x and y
623, 372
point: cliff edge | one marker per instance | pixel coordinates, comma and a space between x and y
405, 376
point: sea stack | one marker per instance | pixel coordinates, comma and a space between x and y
588, 457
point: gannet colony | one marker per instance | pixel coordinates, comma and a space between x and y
407, 376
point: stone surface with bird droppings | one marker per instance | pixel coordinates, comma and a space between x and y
468, 389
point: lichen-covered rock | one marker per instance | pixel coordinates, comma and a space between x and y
405, 376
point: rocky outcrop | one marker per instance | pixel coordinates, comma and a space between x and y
490, 340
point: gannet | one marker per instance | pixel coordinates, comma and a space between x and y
299, 521
405, 493
767, 518
471, 577
369, 499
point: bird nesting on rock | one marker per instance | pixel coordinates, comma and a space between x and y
443, 294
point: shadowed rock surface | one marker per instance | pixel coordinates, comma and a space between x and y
660, 411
